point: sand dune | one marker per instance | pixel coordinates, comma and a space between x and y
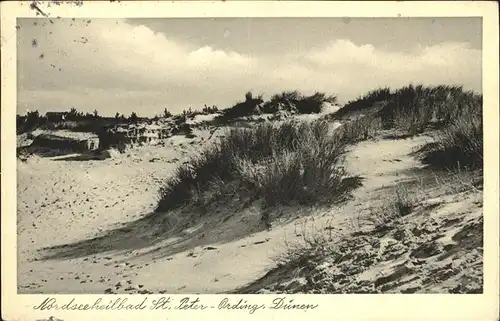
89, 227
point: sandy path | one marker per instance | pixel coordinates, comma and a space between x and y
62, 202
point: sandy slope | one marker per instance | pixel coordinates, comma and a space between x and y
84, 226
438, 248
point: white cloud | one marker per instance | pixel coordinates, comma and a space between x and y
367, 66
114, 66
349, 69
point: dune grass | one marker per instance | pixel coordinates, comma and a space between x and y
300, 163
452, 113
296, 102
280, 164
415, 108
459, 145
359, 129
363, 102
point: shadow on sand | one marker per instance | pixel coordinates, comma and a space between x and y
165, 234
160, 234
87, 156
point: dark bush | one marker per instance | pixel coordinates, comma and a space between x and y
280, 164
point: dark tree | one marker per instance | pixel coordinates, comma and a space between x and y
133, 117
32, 117
248, 96
166, 113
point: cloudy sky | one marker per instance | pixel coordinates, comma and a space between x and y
145, 65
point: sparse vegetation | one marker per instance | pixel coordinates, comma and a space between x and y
403, 202
400, 204
454, 114
314, 242
460, 180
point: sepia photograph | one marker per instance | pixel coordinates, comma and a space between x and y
346, 161
235, 155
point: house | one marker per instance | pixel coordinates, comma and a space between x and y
56, 116
67, 141
141, 133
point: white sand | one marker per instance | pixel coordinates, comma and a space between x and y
69, 202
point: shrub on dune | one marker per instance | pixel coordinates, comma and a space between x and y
306, 172
455, 113
364, 102
314, 103
458, 145
414, 108
280, 164
294, 101
357, 130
